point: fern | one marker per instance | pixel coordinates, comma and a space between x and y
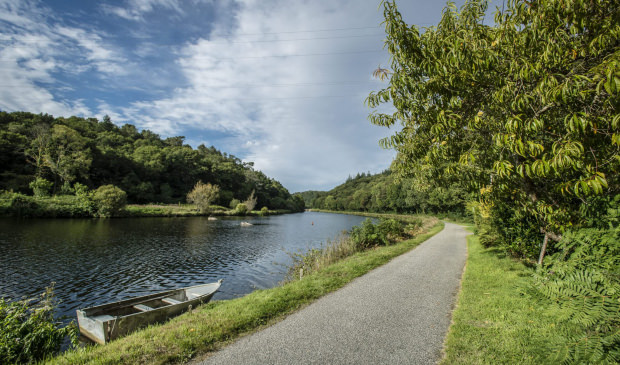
583, 282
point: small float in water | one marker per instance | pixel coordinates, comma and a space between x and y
103, 323
246, 224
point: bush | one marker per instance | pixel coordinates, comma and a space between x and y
203, 195
108, 200
583, 280
241, 208
234, 203
28, 332
41, 187
264, 211
250, 202
391, 228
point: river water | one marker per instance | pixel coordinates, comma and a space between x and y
95, 261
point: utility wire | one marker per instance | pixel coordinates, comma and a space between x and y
221, 42
251, 57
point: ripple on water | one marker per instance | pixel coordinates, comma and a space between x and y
98, 261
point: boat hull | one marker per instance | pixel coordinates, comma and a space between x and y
107, 322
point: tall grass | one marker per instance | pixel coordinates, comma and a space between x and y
391, 229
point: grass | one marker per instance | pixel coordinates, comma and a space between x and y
495, 321
211, 326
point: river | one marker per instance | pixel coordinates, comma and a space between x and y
95, 261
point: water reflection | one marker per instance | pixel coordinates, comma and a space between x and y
96, 261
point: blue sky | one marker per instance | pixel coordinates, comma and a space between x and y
280, 83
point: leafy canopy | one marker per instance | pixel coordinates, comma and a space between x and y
527, 108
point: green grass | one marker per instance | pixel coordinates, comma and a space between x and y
495, 321
216, 324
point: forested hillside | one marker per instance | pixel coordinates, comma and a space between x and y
385, 193
148, 168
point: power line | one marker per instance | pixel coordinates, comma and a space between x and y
294, 84
224, 42
250, 57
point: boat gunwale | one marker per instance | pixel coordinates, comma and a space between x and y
88, 312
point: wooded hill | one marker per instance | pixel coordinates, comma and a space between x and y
383, 192
147, 167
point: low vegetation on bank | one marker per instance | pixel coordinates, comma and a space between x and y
209, 327
110, 201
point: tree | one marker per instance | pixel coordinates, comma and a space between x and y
108, 200
202, 195
67, 155
527, 109
250, 202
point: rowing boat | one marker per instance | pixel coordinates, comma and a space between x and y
106, 322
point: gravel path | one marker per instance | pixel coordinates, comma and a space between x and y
398, 313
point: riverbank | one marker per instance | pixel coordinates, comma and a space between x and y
496, 321
206, 329
71, 206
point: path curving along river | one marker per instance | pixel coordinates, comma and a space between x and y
94, 261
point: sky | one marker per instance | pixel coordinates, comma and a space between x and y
280, 83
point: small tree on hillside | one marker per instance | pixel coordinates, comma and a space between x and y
250, 203
202, 195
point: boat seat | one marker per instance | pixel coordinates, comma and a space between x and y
104, 318
142, 307
171, 301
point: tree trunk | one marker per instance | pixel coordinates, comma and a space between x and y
543, 249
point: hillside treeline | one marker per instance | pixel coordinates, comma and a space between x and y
66, 151
383, 192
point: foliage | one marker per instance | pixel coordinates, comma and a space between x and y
264, 211
144, 165
233, 203
250, 202
384, 192
526, 108
41, 187
29, 332
203, 195
382, 234
583, 279
108, 200
241, 208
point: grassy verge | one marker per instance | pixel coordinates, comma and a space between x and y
216, 324
495, 322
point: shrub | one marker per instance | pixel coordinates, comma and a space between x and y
203, 195
80, 190
28, 331
264, 211
391, 228
108, 200
234, 203
583, 280
367, 235
41, 187
241, 208
250, 202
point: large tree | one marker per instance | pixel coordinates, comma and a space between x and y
526, 109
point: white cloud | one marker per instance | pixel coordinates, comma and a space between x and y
296, 117
34, 47
136, 9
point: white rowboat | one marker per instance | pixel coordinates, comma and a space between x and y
106, 322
